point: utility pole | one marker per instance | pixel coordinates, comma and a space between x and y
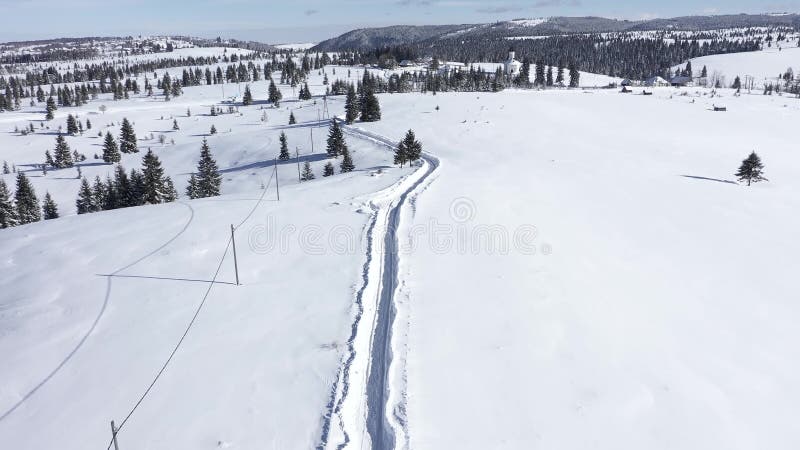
297, 157
277, 190
235, 262
311, 129
114, 435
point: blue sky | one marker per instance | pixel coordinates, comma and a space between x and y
314, 20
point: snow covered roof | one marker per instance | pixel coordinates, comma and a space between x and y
681, 80
655, 81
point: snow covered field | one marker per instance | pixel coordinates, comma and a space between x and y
587, 79
296, 46
653, 307
578, 269
258, 365
767, 65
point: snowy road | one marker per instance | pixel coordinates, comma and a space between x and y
370, 346
380, 430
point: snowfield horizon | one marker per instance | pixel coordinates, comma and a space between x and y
585, 241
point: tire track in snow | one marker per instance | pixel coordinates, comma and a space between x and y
334, 406
99, 316
378, 352
380, 430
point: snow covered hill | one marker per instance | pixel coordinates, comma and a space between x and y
122, 286
587, 273
370, 38
93, 306
576, 269
764, 67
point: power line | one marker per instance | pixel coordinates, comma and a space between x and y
192, 321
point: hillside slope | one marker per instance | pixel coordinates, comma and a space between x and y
370, 38
585, 275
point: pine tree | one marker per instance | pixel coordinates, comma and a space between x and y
305, 92
401, 153
127, 138
99, 194
49, 208
88, 124
137, 188
8, 216
110, 151
62, 155
307, 174
524, 76
409, 149
208, 176
247, 98
371, 112
86, 201
191, 188
155, 183
574, 76
72, 125
50, 108
292, 120
539, 80
351, 105
6, 169
284, 155
414, 146
737, 83
347, 162
48, 159
175, 125
170, 193
166, 86
213, 130
336, 143
25, 201
274, 94
123, 192
751, 170
112, 197
328, 171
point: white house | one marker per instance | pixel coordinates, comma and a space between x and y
451, 66
512, 66
656, 81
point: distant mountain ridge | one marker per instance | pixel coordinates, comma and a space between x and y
391, 35
369, 38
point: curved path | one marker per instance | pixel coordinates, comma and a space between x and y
375, 353
99, 316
